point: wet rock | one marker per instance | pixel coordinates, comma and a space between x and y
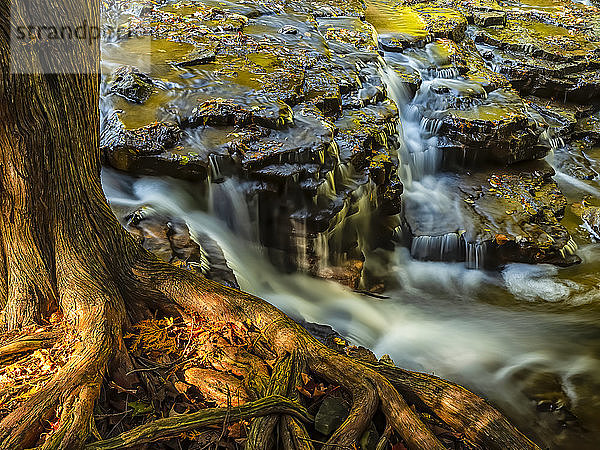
588, 128
403, 27
591, 218
539, 40
169, 239
129, 83
468, 61
544, 59
390, 196
561, 118
408, 76
150, 139
360, 132
224, 112
323, 90
545, 388
347, 274
489, 18
347, 34
509, 214
197, 58
370, 438
443, 22
313, 219
150, 150
519, 211
496, 130
306, 142
400, 27
324, 333
289, 29
331, 415
361, 353
176, 163
589, 212
578, 159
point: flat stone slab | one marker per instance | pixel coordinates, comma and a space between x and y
502, 215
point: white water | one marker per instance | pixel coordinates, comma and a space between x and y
426, 192
469, 325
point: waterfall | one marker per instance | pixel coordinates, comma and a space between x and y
421, 158
447, 247
475, 255
230, 202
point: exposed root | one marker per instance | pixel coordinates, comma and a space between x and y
76, 418
28, 343
261, 431
368, 388
469, 415
210, 354
77, 380
294, 434
174, 426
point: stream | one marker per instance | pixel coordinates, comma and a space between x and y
524, 336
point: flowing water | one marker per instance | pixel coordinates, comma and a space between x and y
516, 336
492, 332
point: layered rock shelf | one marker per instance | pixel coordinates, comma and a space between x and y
292, 102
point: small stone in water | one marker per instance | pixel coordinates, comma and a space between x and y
288, 29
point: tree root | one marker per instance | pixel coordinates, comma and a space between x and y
294, 434
365, 385
174, 426
27, 343
76, 384
470, 415
372, 387
261, 431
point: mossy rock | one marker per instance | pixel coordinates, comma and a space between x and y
510, 214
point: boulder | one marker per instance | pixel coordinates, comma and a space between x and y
332, 413
129, 83
170, 239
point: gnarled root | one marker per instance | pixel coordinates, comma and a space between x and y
174, 426
369, 389
75, 386
469, 415
68, 398
23, 344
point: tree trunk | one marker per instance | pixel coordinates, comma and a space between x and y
62, 249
